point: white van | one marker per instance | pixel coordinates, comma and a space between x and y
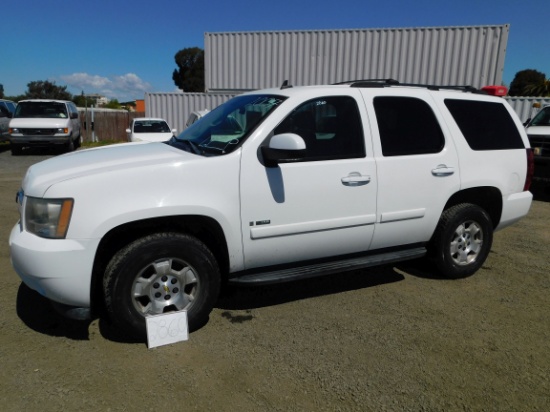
7, 107
42, 122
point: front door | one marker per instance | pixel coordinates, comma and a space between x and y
321, 206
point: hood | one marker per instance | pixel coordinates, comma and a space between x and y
34, 123
152, 137
538, 130
105, 159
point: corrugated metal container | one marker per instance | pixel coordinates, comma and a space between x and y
434, 55
523, 106
175, 108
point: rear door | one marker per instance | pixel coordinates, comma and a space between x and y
417, 163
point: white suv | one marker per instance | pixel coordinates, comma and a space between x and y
272, 186
41, 122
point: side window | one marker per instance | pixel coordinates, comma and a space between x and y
407, 126
72, 109
485, 125
3, 110
330, 126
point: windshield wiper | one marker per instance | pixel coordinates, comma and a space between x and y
190, 145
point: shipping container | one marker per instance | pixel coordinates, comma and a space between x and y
239, 61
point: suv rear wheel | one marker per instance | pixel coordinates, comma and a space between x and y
160, 273
462, 240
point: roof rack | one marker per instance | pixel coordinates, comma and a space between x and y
370, 82
392, 82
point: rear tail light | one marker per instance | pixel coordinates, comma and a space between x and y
530, 169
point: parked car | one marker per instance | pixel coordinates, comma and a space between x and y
41, 122
273, 186
150, 130
7, 107
538, 131
195, 116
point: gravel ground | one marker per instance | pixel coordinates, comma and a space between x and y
393, 338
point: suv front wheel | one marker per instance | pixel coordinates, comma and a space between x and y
462, 240
160, 273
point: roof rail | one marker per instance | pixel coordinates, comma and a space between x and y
370, 83
392, 82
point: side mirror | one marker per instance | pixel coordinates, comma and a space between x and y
128, 131
284, 148
174, 131
74, 115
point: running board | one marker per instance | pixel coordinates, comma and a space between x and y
326, 268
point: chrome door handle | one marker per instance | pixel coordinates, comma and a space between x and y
443, 170
355, 179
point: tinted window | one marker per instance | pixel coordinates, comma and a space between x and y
330, 126
485, 125
407, 126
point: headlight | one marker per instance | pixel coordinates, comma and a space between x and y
48, 218
13, 130
63, 130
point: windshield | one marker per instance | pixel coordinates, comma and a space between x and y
151, 126
41, 110
542, 118
223, 129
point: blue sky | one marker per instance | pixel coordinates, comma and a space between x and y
123, 49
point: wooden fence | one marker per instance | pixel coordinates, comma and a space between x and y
107, 125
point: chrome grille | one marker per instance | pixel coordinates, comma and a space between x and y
540, 144
34, 132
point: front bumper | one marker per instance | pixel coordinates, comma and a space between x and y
59, 269
40, 140
542, 169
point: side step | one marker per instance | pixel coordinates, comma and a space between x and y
326, 268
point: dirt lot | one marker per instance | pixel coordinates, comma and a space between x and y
386, 339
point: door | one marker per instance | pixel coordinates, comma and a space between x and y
320, 206
418, 168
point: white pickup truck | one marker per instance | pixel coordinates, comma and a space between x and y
272, 186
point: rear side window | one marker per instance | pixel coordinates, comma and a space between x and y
485, 125
408, 126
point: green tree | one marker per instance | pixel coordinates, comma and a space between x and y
47, 90
83, 101
189, 76
524, 80
539, 89
1, 91
113, 104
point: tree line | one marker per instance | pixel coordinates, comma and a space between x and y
44, 89
189, 77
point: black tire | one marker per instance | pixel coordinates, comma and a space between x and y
16, 149
69, 147
157, 274
462, 240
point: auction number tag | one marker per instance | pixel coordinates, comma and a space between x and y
167, 328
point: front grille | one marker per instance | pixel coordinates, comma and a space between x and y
540, 144
34, 132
